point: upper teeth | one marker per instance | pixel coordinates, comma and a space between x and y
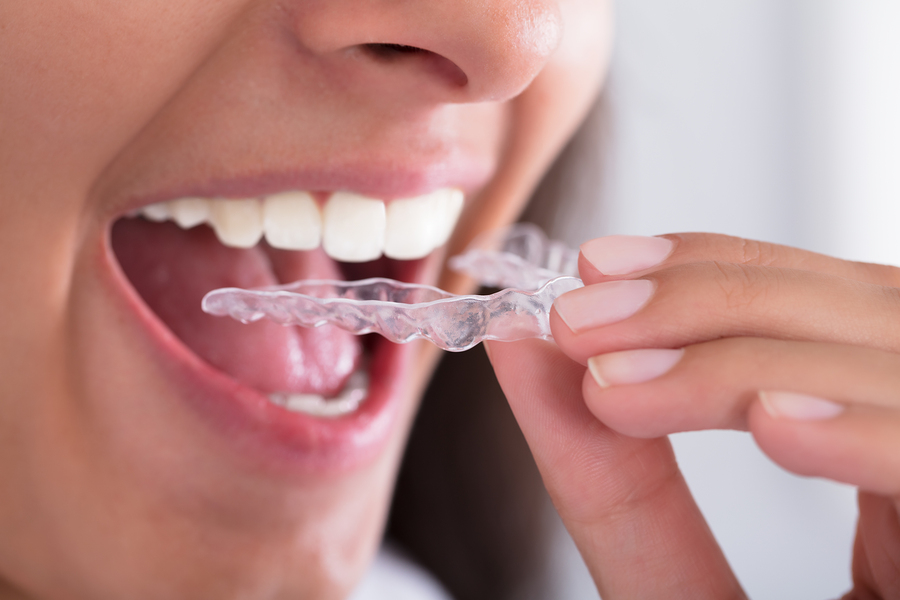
351, 227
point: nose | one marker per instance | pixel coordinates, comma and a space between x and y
464, 50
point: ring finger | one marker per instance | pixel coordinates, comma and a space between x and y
692, 303
818, 409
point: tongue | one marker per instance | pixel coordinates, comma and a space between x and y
172, 269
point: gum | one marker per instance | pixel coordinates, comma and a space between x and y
520, 257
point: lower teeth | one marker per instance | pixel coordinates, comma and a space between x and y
347, 401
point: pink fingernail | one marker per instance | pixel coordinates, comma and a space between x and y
603, 303
799, 407
632, 366
623, 254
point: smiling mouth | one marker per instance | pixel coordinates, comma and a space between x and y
174, 252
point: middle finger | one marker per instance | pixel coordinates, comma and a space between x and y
692, 303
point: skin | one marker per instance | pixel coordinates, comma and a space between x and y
111, 488
751, 317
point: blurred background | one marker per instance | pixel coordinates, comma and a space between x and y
777, 120
769, 119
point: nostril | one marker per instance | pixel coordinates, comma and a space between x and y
389, 51
427, 60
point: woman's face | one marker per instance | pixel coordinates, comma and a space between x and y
142, 452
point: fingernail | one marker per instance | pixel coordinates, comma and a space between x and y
603, 303
632, 366
799, 407
623, 254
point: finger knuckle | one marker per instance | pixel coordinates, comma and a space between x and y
754, 253
887, 275
892, 295
742, 285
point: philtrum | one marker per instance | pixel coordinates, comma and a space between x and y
520, 256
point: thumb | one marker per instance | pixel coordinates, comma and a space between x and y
622, 499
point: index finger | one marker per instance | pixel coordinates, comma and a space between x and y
622, 257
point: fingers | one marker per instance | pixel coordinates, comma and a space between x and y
614, 257
697, 331
696, 302
817, 409
623, 499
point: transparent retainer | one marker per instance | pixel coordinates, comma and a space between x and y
520, 257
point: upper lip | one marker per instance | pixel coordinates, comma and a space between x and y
386, 182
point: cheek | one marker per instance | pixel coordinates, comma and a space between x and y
78, 90
588, 38
568, 86
537, 124
542, 119
78, 80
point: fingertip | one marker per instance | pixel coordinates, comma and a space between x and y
858, 448
615, 256
595, 306
633, 366
798, 407
570, 344
632, 411
630, 391
783, 440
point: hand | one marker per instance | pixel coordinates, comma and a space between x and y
700, 331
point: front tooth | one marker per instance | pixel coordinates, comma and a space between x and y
156, 212
416, 226
449, 207
353, 227
237, 223
292, 221
410, 228
190, 212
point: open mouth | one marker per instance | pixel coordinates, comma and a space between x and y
174, 252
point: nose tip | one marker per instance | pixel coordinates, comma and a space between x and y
475, 50
509, 46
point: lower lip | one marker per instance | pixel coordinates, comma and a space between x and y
269, 436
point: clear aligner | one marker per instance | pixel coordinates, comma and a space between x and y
518, 257
401, 312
